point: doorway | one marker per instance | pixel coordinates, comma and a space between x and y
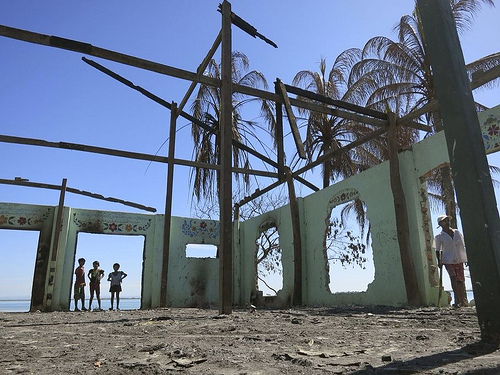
107, 249
17, 256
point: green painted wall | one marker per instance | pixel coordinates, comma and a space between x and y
194, 281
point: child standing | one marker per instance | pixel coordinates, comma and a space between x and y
95, 275
79, 288
116, 278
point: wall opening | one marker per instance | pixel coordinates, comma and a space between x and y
348, 252
18, 255
434, 204
268, 263
108, 249
201, 251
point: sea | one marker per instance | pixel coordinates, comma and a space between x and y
23, 305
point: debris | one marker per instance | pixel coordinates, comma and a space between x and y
386, 358
161, 318
253, 309
97, 364
184, 362
296, 321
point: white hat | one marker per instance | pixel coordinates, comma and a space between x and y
441, 218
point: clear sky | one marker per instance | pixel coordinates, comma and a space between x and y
53, 95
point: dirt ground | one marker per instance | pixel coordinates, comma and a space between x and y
347, 340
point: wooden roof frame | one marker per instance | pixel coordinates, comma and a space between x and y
386, 123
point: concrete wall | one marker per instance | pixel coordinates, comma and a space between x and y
194, 281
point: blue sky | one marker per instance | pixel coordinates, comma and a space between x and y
51, 94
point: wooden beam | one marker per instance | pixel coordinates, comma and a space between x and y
89, 49
76, 191
337, 103
82, 147
432, 106
469, 165
200, 71
225, 187
126, 154
297, 241
291, 120
481, 78
147, 94
258, 192
279, 136
183, 114
333, 153
402, 224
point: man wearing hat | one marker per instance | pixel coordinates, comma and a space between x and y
450, 251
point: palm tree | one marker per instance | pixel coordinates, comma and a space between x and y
397, 76
206, 107
327, 132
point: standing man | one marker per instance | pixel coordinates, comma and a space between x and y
450, 251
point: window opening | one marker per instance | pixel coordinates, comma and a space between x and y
269, 266
347, 250
201, 251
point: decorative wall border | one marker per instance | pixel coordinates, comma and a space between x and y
201, 228
343, 196
24, 218
111, 226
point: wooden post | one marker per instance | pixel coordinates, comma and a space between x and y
59, 218
279, 134
297, 242
55, 246
473, 185
168, 206
225, 180
402, 225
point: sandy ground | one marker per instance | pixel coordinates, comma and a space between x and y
346, 340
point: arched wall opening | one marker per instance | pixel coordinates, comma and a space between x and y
107, 249
347, 250
18, 249
268, 260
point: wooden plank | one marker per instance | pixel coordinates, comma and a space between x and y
469, 165
297, 242
225, 188
402, 224
291, 120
